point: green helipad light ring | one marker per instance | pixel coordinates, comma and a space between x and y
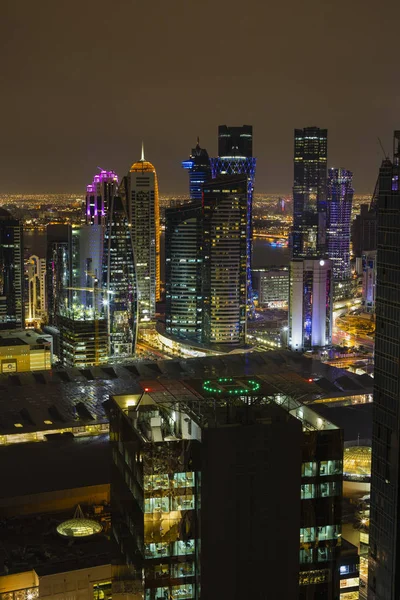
217, 386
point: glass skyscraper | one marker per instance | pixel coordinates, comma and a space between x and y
183, 265
198, 166
98, 196
119, 281
384, 573
339, 203
141, 189
58, 268
235, 157
11, 272
309, 193
225, 259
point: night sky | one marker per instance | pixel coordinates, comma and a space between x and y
83, 82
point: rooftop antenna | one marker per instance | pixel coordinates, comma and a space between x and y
142, 157
385, 155
100, 169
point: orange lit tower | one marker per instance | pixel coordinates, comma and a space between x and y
144, 215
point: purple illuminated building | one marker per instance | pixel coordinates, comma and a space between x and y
98, 196
339, 203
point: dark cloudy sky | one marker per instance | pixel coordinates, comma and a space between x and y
83, 82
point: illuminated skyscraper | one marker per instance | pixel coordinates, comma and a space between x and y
141, 187
339, 203
98, 196
119, 281
11, 272
35, 270
199, 169
384, 538
225, 259
310, 304
309, 193
58, 268
235, 149
183, 266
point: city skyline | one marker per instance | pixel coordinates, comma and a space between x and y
54, 117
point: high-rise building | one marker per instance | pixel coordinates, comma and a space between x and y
83, 337
141, 190
235, 156
198, 166
369, 280
225, 259
98, 196
87, 260
272, 287
339, 203
235, 436
35, 273
310, 304
119, 281
384, 574
309, 193
58, 268
183, 269
11, 272
363, 227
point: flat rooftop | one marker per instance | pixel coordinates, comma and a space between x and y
60, 398
34, 468
32, 543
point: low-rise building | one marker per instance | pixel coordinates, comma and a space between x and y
26, 350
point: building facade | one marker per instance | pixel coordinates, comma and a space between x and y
83, 338
98, 196
119, 285
369, 280
141, 188
310, 304
183, 270
225, 260
35, 273
272, 286
235, 157
199, 169
309, 193
172, 455
384, 536
58, 269
339, 204
12, 311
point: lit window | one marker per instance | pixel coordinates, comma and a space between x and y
48, 422
18, 425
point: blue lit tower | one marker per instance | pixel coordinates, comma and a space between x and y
235, 157
198, 166
119, 281
339, 203
309, 193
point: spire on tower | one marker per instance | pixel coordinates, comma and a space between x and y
142, 157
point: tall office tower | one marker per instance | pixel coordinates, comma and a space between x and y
36, 288
199, 168
11, 272
98, 196
183, 266
339, 203
141, 189
58, 268
310, 304
235, 150
179, 447
363, 228
384, 574
119, 281
225, 259
309, 193
87, 261
369, 280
